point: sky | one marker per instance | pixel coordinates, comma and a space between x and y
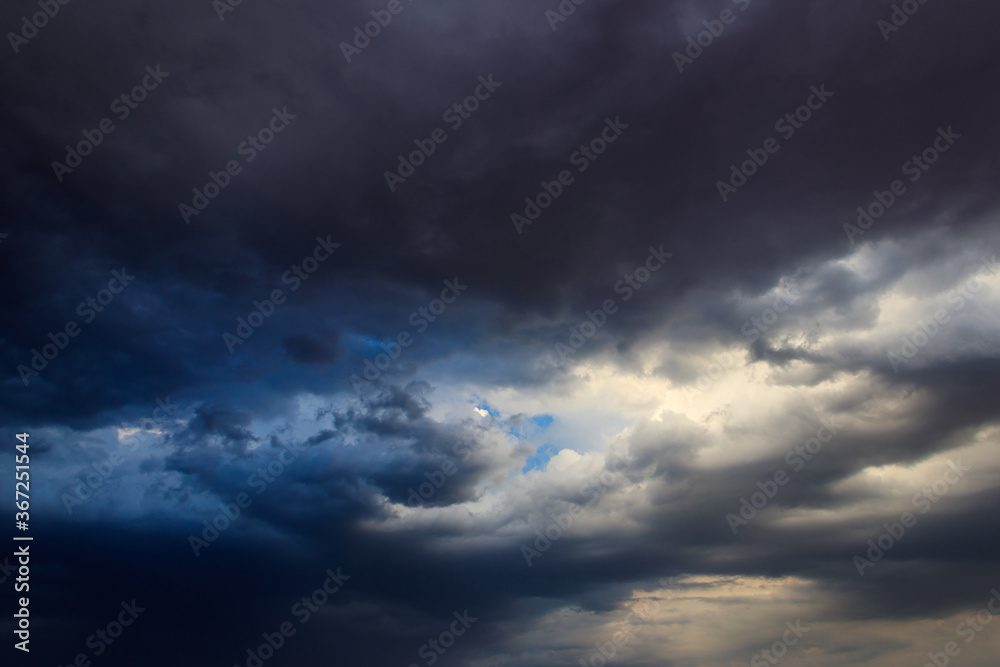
515, 333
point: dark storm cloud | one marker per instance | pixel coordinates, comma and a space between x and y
673, 123
523, 135
306, 350
324, 176
412, 450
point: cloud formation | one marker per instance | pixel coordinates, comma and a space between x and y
724, 309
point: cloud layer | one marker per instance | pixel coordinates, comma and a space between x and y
630, 330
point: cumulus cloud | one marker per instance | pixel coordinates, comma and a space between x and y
577, 450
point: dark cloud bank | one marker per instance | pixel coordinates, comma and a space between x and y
349, 463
